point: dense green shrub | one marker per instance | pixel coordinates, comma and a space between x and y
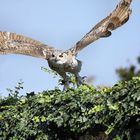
83, 113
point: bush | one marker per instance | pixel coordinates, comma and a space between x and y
83, 113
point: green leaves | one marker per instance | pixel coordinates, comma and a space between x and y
54, 114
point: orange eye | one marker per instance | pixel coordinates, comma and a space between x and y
60, 55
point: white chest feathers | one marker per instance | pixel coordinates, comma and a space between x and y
64, 62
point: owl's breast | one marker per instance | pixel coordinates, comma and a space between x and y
71, 66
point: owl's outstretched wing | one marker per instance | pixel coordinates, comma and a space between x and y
103, 29
11, 43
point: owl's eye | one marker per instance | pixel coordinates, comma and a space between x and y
60, 55
53, 55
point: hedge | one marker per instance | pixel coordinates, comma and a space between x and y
85, 113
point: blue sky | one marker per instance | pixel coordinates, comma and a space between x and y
61, 24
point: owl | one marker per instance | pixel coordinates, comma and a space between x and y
64, 62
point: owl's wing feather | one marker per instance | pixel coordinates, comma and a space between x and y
11, 43
103, 29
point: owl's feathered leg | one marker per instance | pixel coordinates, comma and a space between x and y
79, 80
65, 81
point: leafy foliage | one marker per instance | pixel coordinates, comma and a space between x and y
128, 73
82, 113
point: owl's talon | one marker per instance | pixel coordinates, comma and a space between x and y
84, 78
63, 82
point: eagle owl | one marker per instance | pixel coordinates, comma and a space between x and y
65, 61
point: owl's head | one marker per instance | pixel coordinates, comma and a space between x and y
58, 57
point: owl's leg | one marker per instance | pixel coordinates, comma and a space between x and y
79, 80
65, 81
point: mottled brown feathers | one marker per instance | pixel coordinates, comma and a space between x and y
103, 29
13, 43
18, 44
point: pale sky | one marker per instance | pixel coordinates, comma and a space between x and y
61, 24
